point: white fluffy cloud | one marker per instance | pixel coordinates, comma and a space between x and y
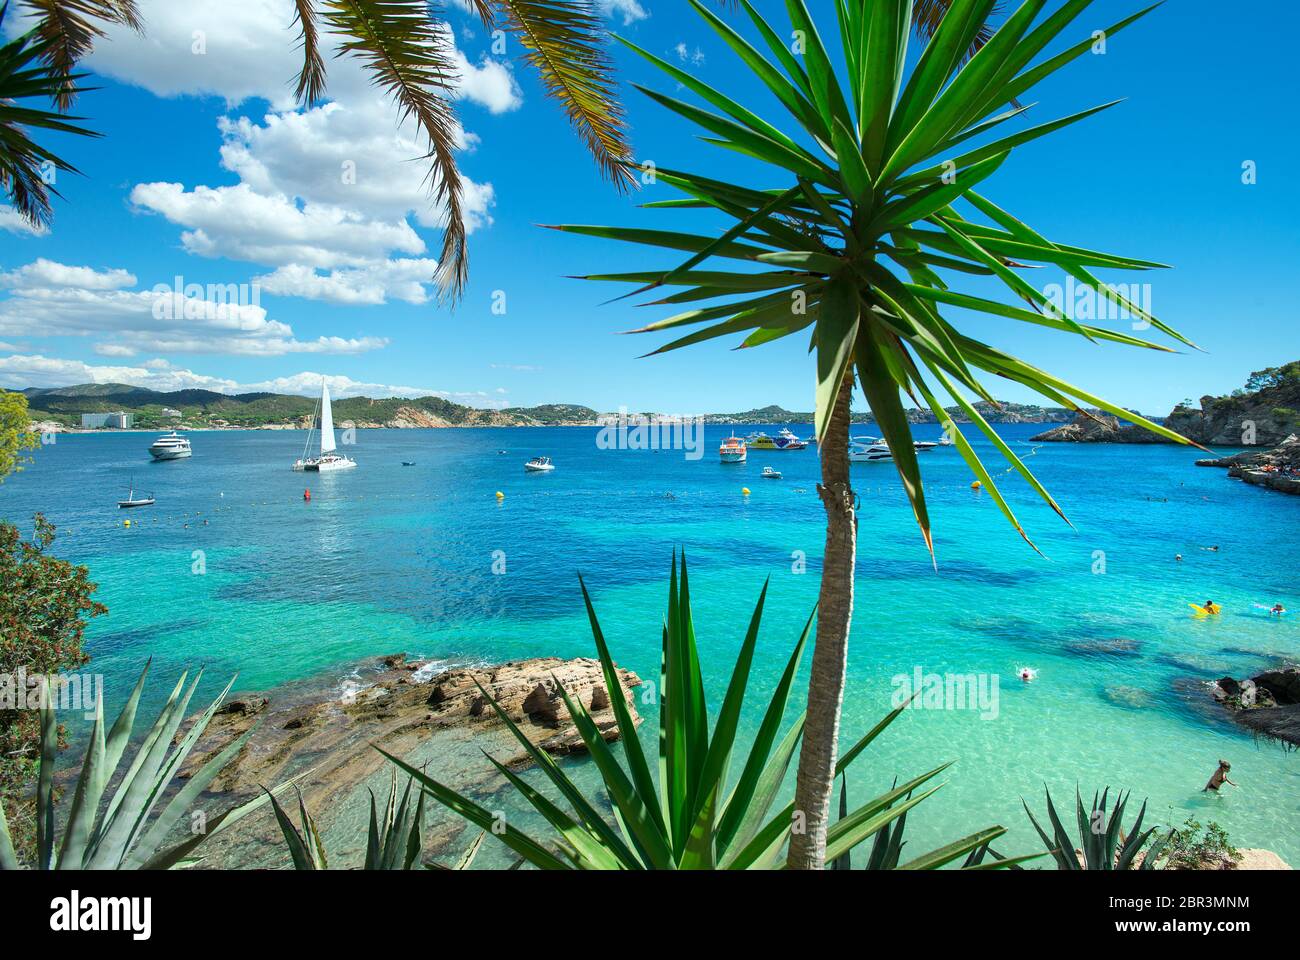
629, 11
53, 299
42, 273
397, 279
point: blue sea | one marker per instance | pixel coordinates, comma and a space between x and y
234, 571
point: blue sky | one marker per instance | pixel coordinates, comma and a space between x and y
207, 172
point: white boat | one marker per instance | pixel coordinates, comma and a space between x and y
770, 474
539, 465
327, 458
171, 446
133, 501
869, 450
792, 441
922, 445
733, 450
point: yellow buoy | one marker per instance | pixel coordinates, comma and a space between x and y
976, 485
126, 523
745, 490
500, 495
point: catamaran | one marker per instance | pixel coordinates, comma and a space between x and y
327, 459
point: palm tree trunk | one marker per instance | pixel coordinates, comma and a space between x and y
817, 757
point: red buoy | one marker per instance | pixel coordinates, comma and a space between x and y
306, 495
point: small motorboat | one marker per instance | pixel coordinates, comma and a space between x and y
539, 465
408, 463
770, 474
133, 501
923, 445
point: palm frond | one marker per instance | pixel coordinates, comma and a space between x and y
26, 167
566, 45
311, 79
71, 28
409, 56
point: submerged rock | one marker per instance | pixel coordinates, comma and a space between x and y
1131, 698
1106, 647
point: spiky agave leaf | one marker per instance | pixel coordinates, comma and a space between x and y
691, 816
858, 216
125, 832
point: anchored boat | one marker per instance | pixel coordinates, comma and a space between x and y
539, 465
733, 450
171, 446
327, 458
133, 501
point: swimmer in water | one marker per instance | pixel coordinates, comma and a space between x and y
1178, 557
1027, 673
1212, 607
1277, 610
1219, 777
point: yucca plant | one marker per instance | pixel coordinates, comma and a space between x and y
887, 846
850, 238
1103, 843
693, 814
126, 833
394, 841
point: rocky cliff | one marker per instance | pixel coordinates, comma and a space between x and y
1263, 414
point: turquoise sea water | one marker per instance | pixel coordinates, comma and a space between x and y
387, 558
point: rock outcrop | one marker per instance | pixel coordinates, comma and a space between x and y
1268, 703
326, 735
1097, 428
1278, 469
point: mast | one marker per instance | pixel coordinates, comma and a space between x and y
326, 420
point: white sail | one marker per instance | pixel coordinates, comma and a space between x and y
326, 421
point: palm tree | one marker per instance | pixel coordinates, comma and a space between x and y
33, 67
844, 243
404, 46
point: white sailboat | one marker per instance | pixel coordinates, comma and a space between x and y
327, 458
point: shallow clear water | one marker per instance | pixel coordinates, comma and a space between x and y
387, 558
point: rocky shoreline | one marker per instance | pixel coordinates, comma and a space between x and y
1277, 469
324, 733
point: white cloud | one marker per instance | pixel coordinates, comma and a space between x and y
341, 156
226, 319
399, 279
686, 55
41, 273
12, 222
34, 370
629, 10
239, 223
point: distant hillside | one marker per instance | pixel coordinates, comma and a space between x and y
1007, 413
206, 408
